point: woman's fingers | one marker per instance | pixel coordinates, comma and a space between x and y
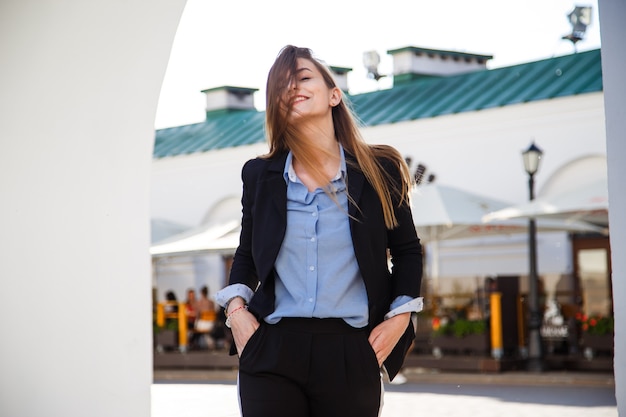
385, 336
243, 326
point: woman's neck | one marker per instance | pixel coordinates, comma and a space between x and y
318, 136
319, 131
327, 157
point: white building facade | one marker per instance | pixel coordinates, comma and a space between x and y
476, 148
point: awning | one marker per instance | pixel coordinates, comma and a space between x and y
217, 238
588, 202
442, 212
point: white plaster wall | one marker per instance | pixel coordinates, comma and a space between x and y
501, 255
482, 151
185, 188
613, 32
476, 151
576, 173
80, 81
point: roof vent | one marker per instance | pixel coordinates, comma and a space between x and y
411, 63
228, 98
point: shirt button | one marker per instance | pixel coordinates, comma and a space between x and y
310, 300
311, 268
313, 239
314, 214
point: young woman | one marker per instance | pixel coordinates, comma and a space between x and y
314, 309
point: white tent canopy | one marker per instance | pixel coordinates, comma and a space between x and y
219, 232
443, 212
217, 238
588, 202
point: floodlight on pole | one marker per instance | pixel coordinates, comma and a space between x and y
371, 60
579, 18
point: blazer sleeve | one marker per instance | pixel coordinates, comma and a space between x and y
405, 253
405, 249
243, 270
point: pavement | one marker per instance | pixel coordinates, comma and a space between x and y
423, 393
424, 376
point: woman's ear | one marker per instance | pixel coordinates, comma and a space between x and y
335, 96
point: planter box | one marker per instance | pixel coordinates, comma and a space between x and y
477, 344
595, 343
166, 339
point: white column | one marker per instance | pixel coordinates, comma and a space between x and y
79, 84
613, 32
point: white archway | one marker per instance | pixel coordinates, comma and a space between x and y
576, 173
80, 81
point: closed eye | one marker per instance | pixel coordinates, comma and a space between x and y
304, 73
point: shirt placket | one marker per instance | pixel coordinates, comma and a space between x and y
312, 255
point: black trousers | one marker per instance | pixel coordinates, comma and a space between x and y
309, 368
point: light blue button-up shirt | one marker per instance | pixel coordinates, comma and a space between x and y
317, 274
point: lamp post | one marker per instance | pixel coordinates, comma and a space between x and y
532, 157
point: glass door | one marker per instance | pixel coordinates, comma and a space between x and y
592, 268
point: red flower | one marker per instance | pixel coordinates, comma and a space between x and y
436, 323
595, 324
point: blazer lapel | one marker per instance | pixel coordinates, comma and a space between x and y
356, 181
277, 188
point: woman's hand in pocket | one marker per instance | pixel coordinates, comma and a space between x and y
385, 336
243, 325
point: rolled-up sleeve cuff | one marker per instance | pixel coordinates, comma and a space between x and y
226, 294
415, 305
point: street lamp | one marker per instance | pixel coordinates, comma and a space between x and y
532, 157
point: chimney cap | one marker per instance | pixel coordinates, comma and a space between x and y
340, 70
228, 98
232, 89
340, 75
442, 53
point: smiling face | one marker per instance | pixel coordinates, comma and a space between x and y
308, 94
302, 98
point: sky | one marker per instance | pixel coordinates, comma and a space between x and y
235, 42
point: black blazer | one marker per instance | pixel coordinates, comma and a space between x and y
263, 227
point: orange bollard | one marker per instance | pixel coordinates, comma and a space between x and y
182, 327
160, 315
521, 335
495, 300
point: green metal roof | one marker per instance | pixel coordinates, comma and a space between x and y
223, 130
568, 75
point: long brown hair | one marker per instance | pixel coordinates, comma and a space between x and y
282, 135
